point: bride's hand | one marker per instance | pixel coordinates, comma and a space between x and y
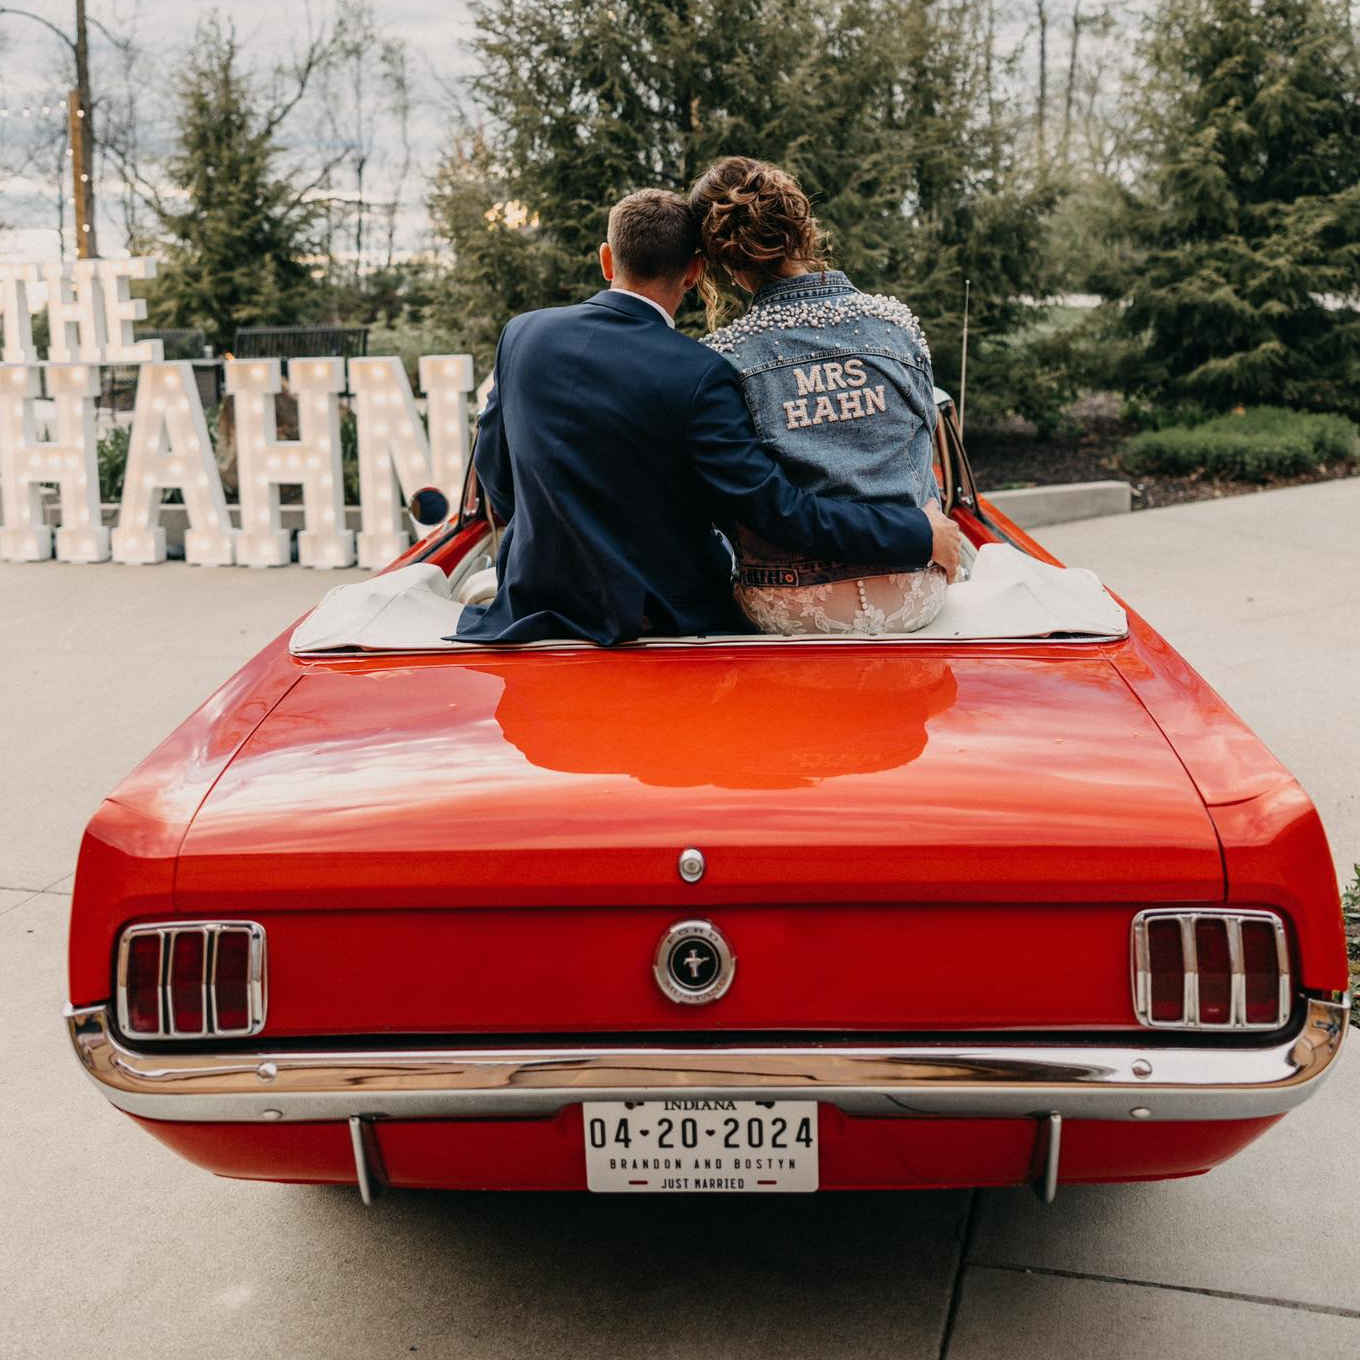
945, 540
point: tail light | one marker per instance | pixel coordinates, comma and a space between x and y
196, 980
1210, 970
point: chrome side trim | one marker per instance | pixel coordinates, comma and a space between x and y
717, 640
1110, 1079
1237, 1008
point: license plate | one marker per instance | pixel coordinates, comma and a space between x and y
701, 1146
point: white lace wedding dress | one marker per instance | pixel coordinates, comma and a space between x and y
899, 602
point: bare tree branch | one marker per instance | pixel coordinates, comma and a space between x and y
38, 19
320, 178
316, 57
131, 173
116, 41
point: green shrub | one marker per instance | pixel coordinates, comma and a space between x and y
1037, 372
1254, 446
111, 454
409, 340
349, 453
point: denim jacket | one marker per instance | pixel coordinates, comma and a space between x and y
839, 385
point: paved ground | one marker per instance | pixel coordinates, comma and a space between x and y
111, 1246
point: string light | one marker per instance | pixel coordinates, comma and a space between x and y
47, 106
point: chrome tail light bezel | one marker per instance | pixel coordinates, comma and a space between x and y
167, 932
1232, 921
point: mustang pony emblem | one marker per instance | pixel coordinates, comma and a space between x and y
693, 963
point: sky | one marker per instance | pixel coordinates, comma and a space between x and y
35, 74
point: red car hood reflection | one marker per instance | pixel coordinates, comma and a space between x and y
804, 774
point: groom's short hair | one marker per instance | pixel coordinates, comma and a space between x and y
653, 234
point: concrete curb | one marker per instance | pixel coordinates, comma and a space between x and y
1034, 506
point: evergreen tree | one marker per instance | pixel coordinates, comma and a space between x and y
235, 236
878, 106
1248, 227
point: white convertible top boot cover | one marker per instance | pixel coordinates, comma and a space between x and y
409, 609
1008, 595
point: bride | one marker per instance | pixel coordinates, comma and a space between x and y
839, 385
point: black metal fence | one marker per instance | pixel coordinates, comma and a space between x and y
118, 388
301, 342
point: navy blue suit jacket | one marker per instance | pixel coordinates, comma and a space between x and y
611, 444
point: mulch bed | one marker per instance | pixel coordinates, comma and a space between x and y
1005, 460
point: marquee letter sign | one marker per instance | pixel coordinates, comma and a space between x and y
75, 312
92, 317
265, 462
122, 311
170, 448
16, 319
69, 462
447, 382
393, 448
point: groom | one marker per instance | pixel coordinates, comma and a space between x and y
610, 444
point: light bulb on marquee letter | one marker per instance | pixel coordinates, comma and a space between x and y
265, 462
15, 314
170, 448
69, 461
393, 448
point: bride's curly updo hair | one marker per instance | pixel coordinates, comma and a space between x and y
753, 220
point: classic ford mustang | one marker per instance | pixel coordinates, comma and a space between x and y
745, 914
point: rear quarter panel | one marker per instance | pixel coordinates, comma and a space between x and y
1275, 851
128, 855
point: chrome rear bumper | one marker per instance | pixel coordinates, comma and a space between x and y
1116, 1079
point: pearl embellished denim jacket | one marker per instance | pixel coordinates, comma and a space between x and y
840, 388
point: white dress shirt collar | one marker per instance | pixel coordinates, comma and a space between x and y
651, 302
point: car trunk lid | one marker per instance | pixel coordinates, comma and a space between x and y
835, 779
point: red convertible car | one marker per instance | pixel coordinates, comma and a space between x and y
749, 914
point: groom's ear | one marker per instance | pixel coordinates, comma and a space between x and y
606, 262
694, 272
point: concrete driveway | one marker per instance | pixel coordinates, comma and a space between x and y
112, 1246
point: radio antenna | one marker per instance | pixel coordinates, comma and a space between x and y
963, 366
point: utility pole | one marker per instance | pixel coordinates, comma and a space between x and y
80, 110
